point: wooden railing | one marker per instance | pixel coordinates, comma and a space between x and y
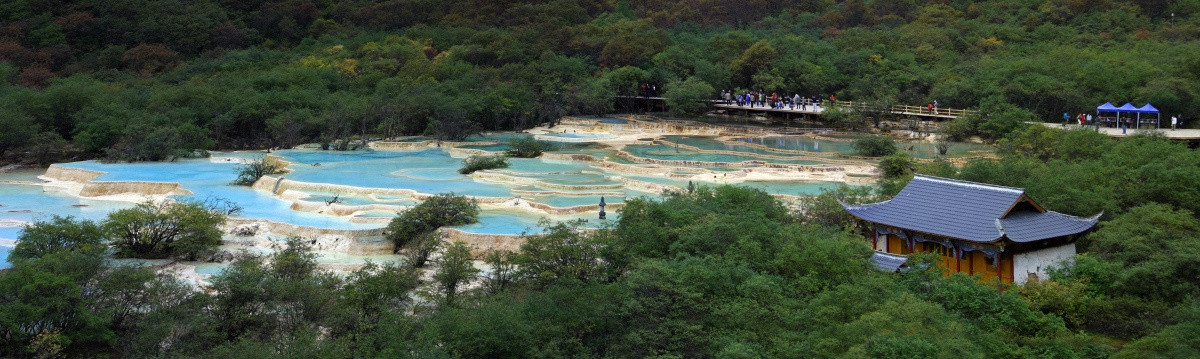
861, 106
908, 109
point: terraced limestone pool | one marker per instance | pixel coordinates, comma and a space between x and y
670, 153
376, 184
846, 147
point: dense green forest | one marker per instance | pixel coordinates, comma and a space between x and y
152, 80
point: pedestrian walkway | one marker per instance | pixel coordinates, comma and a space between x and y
1180, 134
787, 110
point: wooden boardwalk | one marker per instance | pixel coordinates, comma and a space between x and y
810, 110
1115, 132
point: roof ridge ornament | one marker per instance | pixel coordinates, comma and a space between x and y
963, 183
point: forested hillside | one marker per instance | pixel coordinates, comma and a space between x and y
725, 272
150, 80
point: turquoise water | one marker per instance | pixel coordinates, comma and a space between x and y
28, 203
608, 120
499, 137
918, 149
415, 139
499, 147
348, 200
211, 268
212, 180
709, 143
664, 152
428, 171
10, 232
572, 201
506, 222
772, 187
4, 250
575, 136
254, 155
801, 143
535, 165
387, 170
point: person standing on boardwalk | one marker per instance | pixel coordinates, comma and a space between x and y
1174, 121
935, 109
1066, 118
796, 101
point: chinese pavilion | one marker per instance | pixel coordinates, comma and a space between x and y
994, 231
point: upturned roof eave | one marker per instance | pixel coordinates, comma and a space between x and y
991, 241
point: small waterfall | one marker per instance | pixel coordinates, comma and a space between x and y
277, 183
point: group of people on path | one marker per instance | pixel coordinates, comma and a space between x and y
774, 100
648, 90
1123, 123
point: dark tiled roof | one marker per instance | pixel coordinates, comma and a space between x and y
1028, 226
969, 211
888, 262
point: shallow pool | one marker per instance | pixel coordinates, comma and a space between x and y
915, 149
670, 153
579, 135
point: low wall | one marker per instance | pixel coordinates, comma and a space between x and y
481, 243
388, 145
277, 186
97, 189
568, 157
61, 173
341, 210
350, 241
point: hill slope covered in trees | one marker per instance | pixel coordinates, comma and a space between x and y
148, 80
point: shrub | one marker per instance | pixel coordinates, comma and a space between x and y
875, 146
528, 147
686, 98
250, 172
477, 162
895, 165
59, 233
167, 229
445, 209
455, 269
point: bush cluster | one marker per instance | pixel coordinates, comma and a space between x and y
479, 162
528, 147
415, 229
875, 146
249, 173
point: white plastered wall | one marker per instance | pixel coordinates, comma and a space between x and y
1036, 262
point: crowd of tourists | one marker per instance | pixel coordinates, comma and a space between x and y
774, 100
1113, 122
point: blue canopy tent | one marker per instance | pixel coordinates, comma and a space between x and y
1107, 107
1126, 108
1150, 109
